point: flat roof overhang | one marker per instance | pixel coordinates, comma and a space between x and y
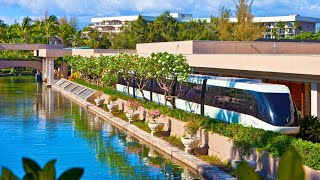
30, 46
287, 67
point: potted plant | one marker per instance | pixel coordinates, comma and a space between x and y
189, 140
99, 101
244, 143
154, 125
112, 106
133, 106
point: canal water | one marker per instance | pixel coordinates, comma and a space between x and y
42, 124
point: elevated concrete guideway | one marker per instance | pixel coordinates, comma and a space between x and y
45, 63
21, 63
29, 46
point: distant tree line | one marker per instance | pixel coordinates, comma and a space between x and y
50, 29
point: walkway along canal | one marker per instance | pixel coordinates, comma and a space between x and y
43, 124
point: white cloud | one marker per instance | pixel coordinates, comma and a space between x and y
109, 7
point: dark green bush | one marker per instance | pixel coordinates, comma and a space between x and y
310, 129
309, 152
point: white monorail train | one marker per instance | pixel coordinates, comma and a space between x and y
234, 100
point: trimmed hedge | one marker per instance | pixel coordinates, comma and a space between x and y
274, 143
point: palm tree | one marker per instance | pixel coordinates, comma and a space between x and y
25, 27
51, 26
77, 39
281, 26
296, 26
38, 33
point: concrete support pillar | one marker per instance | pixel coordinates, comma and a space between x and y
307, 99
50, 68
51, 99
44, 68
64, 69
315, 99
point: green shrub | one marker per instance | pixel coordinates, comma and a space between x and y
310, 129
309, 152
191, 127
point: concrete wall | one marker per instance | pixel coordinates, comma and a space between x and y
230, 47
254, 47
285, 64
177, 47
30, 46
115, 51
83, 52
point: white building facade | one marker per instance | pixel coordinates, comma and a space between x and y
276, 26
115, 24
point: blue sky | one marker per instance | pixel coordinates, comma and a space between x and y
83, 10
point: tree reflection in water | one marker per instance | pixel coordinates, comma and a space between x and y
116, 149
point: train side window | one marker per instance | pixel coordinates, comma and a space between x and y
214, 96
122, 81
249, 103
190, 92
147, 87
157, 89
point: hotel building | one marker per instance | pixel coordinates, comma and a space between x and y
115, 24
272, 23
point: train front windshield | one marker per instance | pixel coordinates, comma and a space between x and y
276, 108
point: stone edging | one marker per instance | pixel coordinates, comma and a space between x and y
205, 169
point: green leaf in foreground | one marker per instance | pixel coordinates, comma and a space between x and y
290, 166
72, 174
31, 167
49, 171
245, 171
7, 175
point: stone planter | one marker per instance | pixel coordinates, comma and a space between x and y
132, 116
152, 153
130, 139
186, 174
190, 144
155, 127
235, 163
99, 102
113, 107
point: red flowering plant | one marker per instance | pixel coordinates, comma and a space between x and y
133, 105
154, 114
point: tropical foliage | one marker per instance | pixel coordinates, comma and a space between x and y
314, 36
51, 29
166, 69
310, 129
242, 30
170, 69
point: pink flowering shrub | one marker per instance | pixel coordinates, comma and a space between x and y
154, 114
133, 105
